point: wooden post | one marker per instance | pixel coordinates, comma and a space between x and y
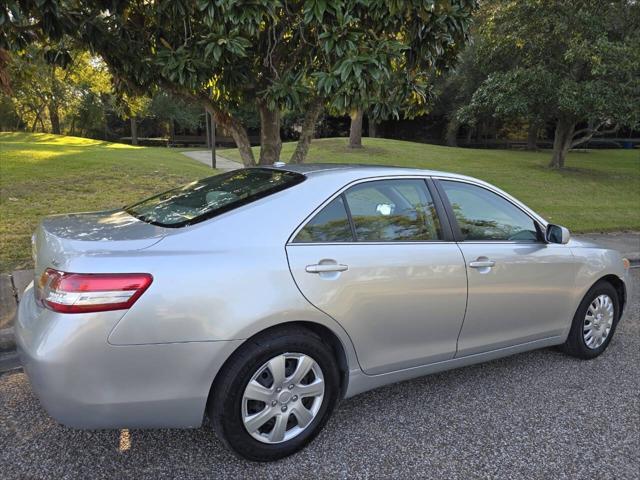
206, 125
213, 142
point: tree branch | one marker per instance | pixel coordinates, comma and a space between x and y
591, 133
588, 129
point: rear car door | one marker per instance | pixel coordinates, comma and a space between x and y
520, 287
378, 259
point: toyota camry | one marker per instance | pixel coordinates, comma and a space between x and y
263, 296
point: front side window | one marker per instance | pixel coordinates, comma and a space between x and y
482, 215
203, 199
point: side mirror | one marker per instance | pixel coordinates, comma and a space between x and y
557, 234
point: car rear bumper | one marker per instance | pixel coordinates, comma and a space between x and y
83, 381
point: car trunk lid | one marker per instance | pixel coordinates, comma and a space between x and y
61, 237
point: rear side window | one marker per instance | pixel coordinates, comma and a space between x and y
331, 224
393, 211
377, 211
206, 198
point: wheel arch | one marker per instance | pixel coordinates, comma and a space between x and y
620, 287
321, 331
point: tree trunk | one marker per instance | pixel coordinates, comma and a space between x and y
72, 129
54, 117
470, 134
225, 121
240, 137
373, 130
270, 141
532, 136
562, 142
235, 128
172, 130
355, 131
134, 131
54, 113
308, 129
453, 125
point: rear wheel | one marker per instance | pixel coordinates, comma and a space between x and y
594, 323
275, 394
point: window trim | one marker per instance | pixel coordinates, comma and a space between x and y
455, 227
445, 226
347, 209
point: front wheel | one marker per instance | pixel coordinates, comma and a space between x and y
275, 394
594, 323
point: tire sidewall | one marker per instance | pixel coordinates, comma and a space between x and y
601, 288
228, 410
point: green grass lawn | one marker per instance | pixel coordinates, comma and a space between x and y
598, 191
44, 174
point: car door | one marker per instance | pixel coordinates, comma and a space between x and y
519, 287
378, 259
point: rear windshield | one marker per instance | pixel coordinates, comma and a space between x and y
206, 198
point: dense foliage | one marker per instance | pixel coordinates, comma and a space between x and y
567, 69
575, 64
297, 54
56, 98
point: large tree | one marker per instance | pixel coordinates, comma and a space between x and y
276, 54
47, 94
575, 64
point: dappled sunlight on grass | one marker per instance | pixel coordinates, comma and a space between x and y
34, 156
60, 140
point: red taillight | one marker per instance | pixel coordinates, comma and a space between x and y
90, 292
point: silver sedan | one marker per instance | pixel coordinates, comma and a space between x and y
261, 297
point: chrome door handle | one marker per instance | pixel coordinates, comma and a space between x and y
326, 267
482, 264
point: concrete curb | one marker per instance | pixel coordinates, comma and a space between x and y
8, 300
9, 361
11, 288
7, 340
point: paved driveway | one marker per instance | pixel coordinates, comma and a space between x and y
535, 415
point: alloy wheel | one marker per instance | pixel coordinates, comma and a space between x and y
283, 398
598, 321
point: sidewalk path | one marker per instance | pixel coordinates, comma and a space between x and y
222, 163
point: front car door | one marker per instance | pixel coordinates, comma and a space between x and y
378, 259
519, 286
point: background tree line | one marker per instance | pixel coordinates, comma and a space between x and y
564, 69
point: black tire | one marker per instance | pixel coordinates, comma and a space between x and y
225, 406
575, 344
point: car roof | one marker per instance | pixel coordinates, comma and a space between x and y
353, 171
311, 169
